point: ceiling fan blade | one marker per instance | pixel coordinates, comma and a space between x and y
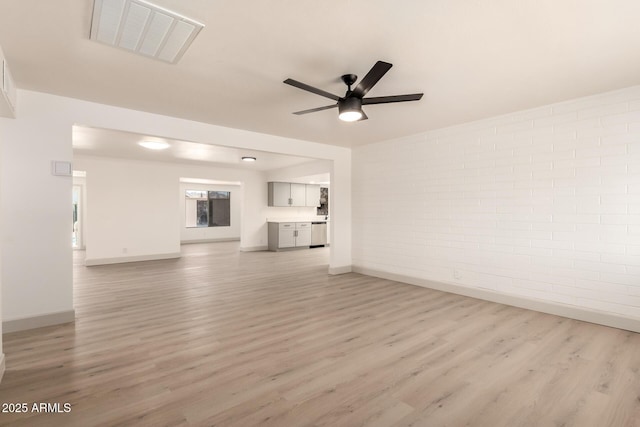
389, 99
313, 110
375, 73
311, 89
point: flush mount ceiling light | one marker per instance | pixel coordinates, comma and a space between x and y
144, 28
154, 145
248, 159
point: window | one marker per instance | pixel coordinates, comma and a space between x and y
219, 208
208, 208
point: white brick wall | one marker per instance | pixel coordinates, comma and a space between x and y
541, 204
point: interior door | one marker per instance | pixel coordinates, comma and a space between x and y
76, 237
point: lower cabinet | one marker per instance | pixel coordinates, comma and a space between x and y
303, 234
284, 235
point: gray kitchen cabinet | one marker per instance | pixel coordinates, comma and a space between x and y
303, 234
286, 235
298, 195
312, 195
286, 194
279, 194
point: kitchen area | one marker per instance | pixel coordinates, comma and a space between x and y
307, 226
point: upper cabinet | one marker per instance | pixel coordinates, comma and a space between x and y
298, 195
279, 194
287, 194
313, 195
7, 90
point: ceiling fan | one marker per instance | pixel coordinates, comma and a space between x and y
350, 105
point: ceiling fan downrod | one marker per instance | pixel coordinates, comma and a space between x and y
349, 79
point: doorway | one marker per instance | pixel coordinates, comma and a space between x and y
76, 236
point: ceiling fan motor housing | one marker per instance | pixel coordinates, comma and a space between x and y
349, 104
350, 108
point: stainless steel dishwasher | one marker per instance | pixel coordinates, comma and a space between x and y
318, 234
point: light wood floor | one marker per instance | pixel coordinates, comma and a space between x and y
269, 339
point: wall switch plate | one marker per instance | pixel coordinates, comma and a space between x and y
61, 168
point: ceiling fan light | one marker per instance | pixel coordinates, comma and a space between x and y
350, 116
350, 109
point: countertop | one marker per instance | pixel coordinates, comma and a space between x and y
281, 220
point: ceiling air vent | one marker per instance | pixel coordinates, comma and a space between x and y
143, 28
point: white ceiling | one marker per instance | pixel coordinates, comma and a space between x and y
471, 58
115, 143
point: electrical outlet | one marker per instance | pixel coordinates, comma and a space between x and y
456, 274
124, 250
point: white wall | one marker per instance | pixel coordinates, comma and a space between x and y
2, 360
36, 213
159, 179
340, 202
211, 233
291, 212
36, 230
132, 211
542, 204
305, 169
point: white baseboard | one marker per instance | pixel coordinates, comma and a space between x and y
559, 309
253, 248
189, 242
119, 260
40, 321
340, 270
2, 366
